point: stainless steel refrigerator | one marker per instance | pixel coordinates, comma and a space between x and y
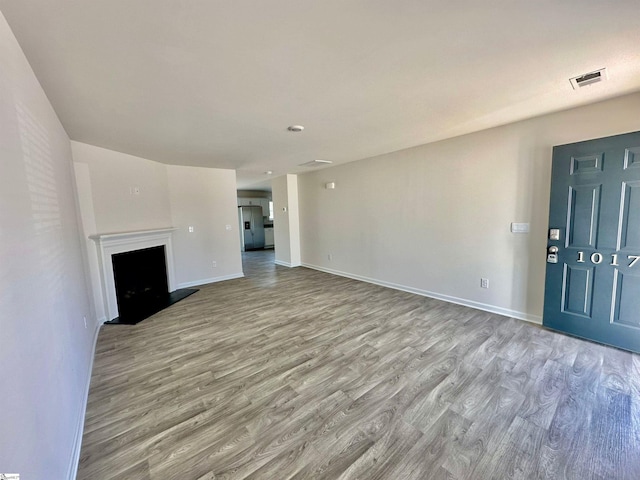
251, 228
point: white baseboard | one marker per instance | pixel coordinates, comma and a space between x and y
286, 264
206, 281
77, 441
439, 296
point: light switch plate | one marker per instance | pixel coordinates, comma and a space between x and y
519, 228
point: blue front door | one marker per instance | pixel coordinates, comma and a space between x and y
592, 287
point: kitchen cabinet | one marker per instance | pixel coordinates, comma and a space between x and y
253, 201
245, 201
265, 206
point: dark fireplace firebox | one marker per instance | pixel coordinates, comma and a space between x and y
141, 284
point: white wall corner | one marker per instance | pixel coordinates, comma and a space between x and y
283, 264
287, 220
294, 219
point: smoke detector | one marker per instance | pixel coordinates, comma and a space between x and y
315, 163
295, 128
589, 78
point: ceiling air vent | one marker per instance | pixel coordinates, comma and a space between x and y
588, 78
316, 163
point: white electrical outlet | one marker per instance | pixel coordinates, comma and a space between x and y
190, 229
228, 227
214, 264
484, 283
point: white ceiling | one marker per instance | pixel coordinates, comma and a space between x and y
216, 83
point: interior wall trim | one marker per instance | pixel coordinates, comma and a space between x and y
425, 293
206, 281
72, 472
287, 264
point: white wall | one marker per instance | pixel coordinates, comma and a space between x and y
88, 225
434, 219
114, 176
204, 198
280, 220
286, 220
169, 196
46, 349
294, 220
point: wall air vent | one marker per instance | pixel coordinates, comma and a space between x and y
588, 78
315, 163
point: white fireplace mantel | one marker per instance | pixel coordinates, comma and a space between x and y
109, 244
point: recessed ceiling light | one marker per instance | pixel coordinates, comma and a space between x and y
268, 172
295, 128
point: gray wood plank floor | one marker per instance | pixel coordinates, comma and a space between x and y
294, 373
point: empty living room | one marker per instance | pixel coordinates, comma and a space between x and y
450, 288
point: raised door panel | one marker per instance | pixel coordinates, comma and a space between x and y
583, 215
577, 290
629, 226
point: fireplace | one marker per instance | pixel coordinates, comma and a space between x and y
137, 274
140, 278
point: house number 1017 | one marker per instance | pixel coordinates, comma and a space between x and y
597, 258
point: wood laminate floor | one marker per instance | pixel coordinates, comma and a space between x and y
294, 373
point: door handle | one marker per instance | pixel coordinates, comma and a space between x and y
552, 254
